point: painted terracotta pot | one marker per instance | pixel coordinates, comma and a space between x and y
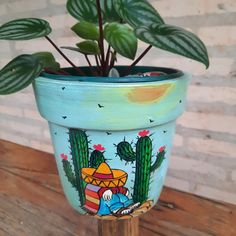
112, 137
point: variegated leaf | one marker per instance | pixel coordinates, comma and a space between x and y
109, 12
19, 73
174, 39
122, 39
83, 10
48, 60
137, 13
24, 29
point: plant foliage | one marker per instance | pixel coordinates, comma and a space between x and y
83, 10
24, 29
86, 30
19, 73
173, 39
122, 39
137, 13
107, 28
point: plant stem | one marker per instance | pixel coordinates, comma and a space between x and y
137, 60
90, 65
100, 59
64, 72
107, 59
101, 39
98, 65
108, 54
64, 56
113, 59
59, 72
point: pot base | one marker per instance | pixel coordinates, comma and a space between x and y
112, 174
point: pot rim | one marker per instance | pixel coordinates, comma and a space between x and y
78, 104
171, 74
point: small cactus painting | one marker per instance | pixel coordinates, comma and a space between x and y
101, 188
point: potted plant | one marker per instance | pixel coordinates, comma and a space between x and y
111, 126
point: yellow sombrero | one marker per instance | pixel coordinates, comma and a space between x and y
104, 176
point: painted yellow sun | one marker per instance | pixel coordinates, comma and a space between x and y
149, 94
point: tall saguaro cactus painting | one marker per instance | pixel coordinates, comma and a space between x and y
79, 145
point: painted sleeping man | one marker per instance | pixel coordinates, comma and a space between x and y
105, 192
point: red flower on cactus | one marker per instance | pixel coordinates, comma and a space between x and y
144, 133
64, 156
98, 147
162, 149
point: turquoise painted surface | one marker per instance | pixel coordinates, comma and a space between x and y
161, 135
110, 106
110, 113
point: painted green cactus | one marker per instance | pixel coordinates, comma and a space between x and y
143, 169
125, 151
143, 158
69, 172
96, 158
79, 145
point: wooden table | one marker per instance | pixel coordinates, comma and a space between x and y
32, 204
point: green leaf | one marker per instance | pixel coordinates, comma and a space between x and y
87, 10
109, 12
137, 13
174, 39
88, 47
122, 39
83, 10
19, 73
86, 30
48, 60
85, 47
24, 29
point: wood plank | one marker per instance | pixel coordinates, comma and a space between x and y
20, 223
31, 176
32, 203
185, 214
129, 227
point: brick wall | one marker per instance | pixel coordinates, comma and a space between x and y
204, 155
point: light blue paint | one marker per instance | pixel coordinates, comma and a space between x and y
74, 104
